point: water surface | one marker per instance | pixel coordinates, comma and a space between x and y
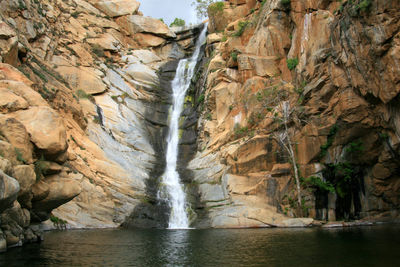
364, 246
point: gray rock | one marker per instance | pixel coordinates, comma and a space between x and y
148, 25
211, 192
5, 166
9, 189
26, 177
298, 222
3, 242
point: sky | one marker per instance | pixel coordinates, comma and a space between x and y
169, 10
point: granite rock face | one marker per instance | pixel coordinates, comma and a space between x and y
323, 59
84, 100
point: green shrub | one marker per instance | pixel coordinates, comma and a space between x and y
355, 147
240, 131
234, 56
292, 63
329, 141
19, 156
178, 23
365, 5
201, 98
82, 94
316, 182
57, 222
263, 3
242, 26
41, 168
215, 8
21, 5
75, 14
98, 50
285, 2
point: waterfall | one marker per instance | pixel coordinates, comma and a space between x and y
171, 188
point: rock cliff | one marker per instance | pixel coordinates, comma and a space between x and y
299, 87
84, 99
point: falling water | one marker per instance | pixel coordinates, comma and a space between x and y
172, 190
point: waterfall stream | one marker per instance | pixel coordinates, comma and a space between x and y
171, 188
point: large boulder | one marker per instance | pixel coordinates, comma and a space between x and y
116, 8
45, 127
61, 190
86, 79
20, 88
26, 177
142, 74
5, 166
9, 189
10, 102
8, 72
6, 31
106, 41
148, 40
139, 24
16, 134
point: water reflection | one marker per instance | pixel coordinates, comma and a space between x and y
175, 249
368, 246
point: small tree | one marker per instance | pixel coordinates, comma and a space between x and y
284, 138
201, 7
178, 23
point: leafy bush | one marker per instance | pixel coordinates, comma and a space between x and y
98, 50
316, 182
355, 147
82, 94
41, 167
75, 14
329, 141
234, 56
58, 223
215, 8
292, 63
19, 156
285, 2
201, 98
365, 5
263, 3
178, 23
240, 131
242, 26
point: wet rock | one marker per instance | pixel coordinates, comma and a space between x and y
298, 222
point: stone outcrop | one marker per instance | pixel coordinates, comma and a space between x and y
324, 61
84, 99
116, 8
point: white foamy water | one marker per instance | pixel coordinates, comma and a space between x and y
171, 188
